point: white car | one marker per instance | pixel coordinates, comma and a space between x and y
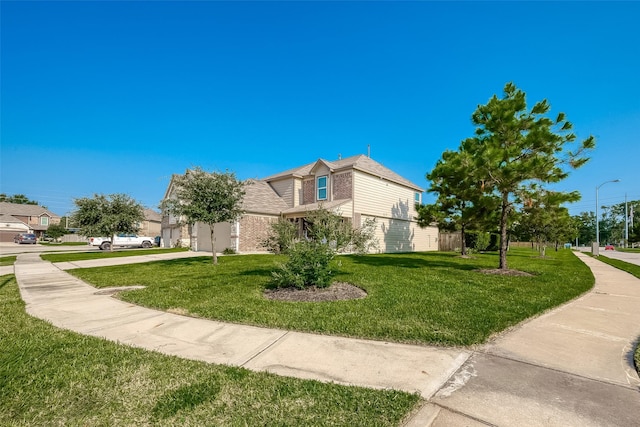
124, 240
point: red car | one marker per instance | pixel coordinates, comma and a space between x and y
609, 248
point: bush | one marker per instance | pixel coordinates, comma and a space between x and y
281, 237
308, 265
483, 240
229, 251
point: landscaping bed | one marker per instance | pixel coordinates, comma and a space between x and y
424, 298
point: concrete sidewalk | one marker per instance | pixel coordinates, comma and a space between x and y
569, 367
69, 303
572, 366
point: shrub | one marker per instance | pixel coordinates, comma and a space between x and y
483, 240
229, 251
308, 265
282, 236
327, 234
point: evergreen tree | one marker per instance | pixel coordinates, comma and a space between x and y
514, 146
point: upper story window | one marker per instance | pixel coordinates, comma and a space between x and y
44, 220
322, 187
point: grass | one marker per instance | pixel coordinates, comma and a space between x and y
634, 250
424, 298
49, 376
621, 265
81, 256
8, 260
63, 243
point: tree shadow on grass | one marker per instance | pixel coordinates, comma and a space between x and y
186, 398
439, 260
5, 280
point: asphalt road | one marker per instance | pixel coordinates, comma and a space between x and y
630, 257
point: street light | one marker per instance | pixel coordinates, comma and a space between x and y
598, 219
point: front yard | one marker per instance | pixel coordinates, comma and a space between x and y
424, 298
49, 376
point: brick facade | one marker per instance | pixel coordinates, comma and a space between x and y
342, 186
308, 192
253, 231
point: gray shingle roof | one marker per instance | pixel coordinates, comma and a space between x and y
360, 162
151, 215
259, 197
24, 210
10, 219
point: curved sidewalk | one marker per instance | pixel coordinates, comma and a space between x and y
572, 366
69, 303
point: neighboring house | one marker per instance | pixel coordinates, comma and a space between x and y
152, 224
357, 188
16, 216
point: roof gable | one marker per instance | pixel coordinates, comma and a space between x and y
25, 210
359, 162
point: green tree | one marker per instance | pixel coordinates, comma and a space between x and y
461, 204
56, 231
544, 219
586, 225
20, 199
107, 215
514, 146
207, 197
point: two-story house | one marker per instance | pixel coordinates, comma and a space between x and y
357, 188
22, 218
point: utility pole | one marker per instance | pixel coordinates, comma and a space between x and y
626, 222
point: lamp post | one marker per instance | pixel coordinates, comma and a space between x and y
598, 219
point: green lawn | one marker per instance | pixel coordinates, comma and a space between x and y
622, 265
8, 260
426, 298
96, 254
63, 244
635, 250
49, 376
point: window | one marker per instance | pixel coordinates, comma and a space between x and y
44, 220
322, 187
417, 197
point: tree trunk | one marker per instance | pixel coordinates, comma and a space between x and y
503, 231
113, 239
213, 245
464, 246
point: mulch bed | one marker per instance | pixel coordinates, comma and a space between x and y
338, 291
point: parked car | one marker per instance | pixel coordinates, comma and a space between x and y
609, 248
130, 240
25, 238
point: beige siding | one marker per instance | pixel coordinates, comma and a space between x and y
397, 235
393, 207
286, 189
297, 192
380, 198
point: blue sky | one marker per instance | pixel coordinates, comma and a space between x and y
114, 97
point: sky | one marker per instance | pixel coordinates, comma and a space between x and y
114, 97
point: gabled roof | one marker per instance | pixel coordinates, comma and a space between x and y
151, 215
359, 162
259, 197
25, 210
9, 219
